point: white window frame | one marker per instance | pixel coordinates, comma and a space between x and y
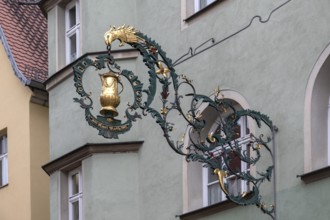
4, 160
70, 31
243, 141
316, 150
75, 197
329, 132
198, 4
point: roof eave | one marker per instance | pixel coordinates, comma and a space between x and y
40, 95
17, 72
38, 2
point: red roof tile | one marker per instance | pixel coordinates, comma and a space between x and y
25, 29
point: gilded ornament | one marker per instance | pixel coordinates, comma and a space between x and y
185, 78
162, 70
211, 138
125, 34
164, 111
198, 116
221, 175
109, 97
189, 117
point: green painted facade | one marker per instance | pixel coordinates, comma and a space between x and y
269, 63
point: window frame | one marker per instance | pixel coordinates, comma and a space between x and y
4, 160
313, 163
71, 31
191, 10
198, 5
72, 198
192, 172
328, 133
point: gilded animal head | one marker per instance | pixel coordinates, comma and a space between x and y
109, 37
125, 34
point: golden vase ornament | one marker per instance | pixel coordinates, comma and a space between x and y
109, 97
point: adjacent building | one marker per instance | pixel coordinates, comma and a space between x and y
24, 187
270, 56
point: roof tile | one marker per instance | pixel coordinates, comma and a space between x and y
25, 29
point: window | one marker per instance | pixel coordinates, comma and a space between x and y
65, 36
328, 126
72, 28
317, 115
75, 194
3, 161
211, 191
200, 4
191, 9
201, 186
71, 192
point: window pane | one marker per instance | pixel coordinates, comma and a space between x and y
214, 193
1, 172
211, 176
204, 3
73, 47
3, 145
72, 17
75, 210
75, 183
234, 186
234, 163
237, 132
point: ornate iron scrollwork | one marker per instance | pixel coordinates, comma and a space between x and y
216, 150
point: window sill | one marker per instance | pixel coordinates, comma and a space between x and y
206, 211
202, 11
315, 175
4, 186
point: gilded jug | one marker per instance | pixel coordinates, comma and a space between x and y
109, 97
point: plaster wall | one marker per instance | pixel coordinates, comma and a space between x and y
54, 200
269, 63
96, 20
14, 117
39, 155
111, 184
52, 37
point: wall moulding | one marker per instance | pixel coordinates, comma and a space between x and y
66, 71
71, 159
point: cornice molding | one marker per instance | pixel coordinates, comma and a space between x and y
47, 5
75, 157
66, 72
39, 94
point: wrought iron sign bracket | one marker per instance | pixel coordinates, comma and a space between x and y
218, 149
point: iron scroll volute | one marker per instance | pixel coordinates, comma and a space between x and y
208, 151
